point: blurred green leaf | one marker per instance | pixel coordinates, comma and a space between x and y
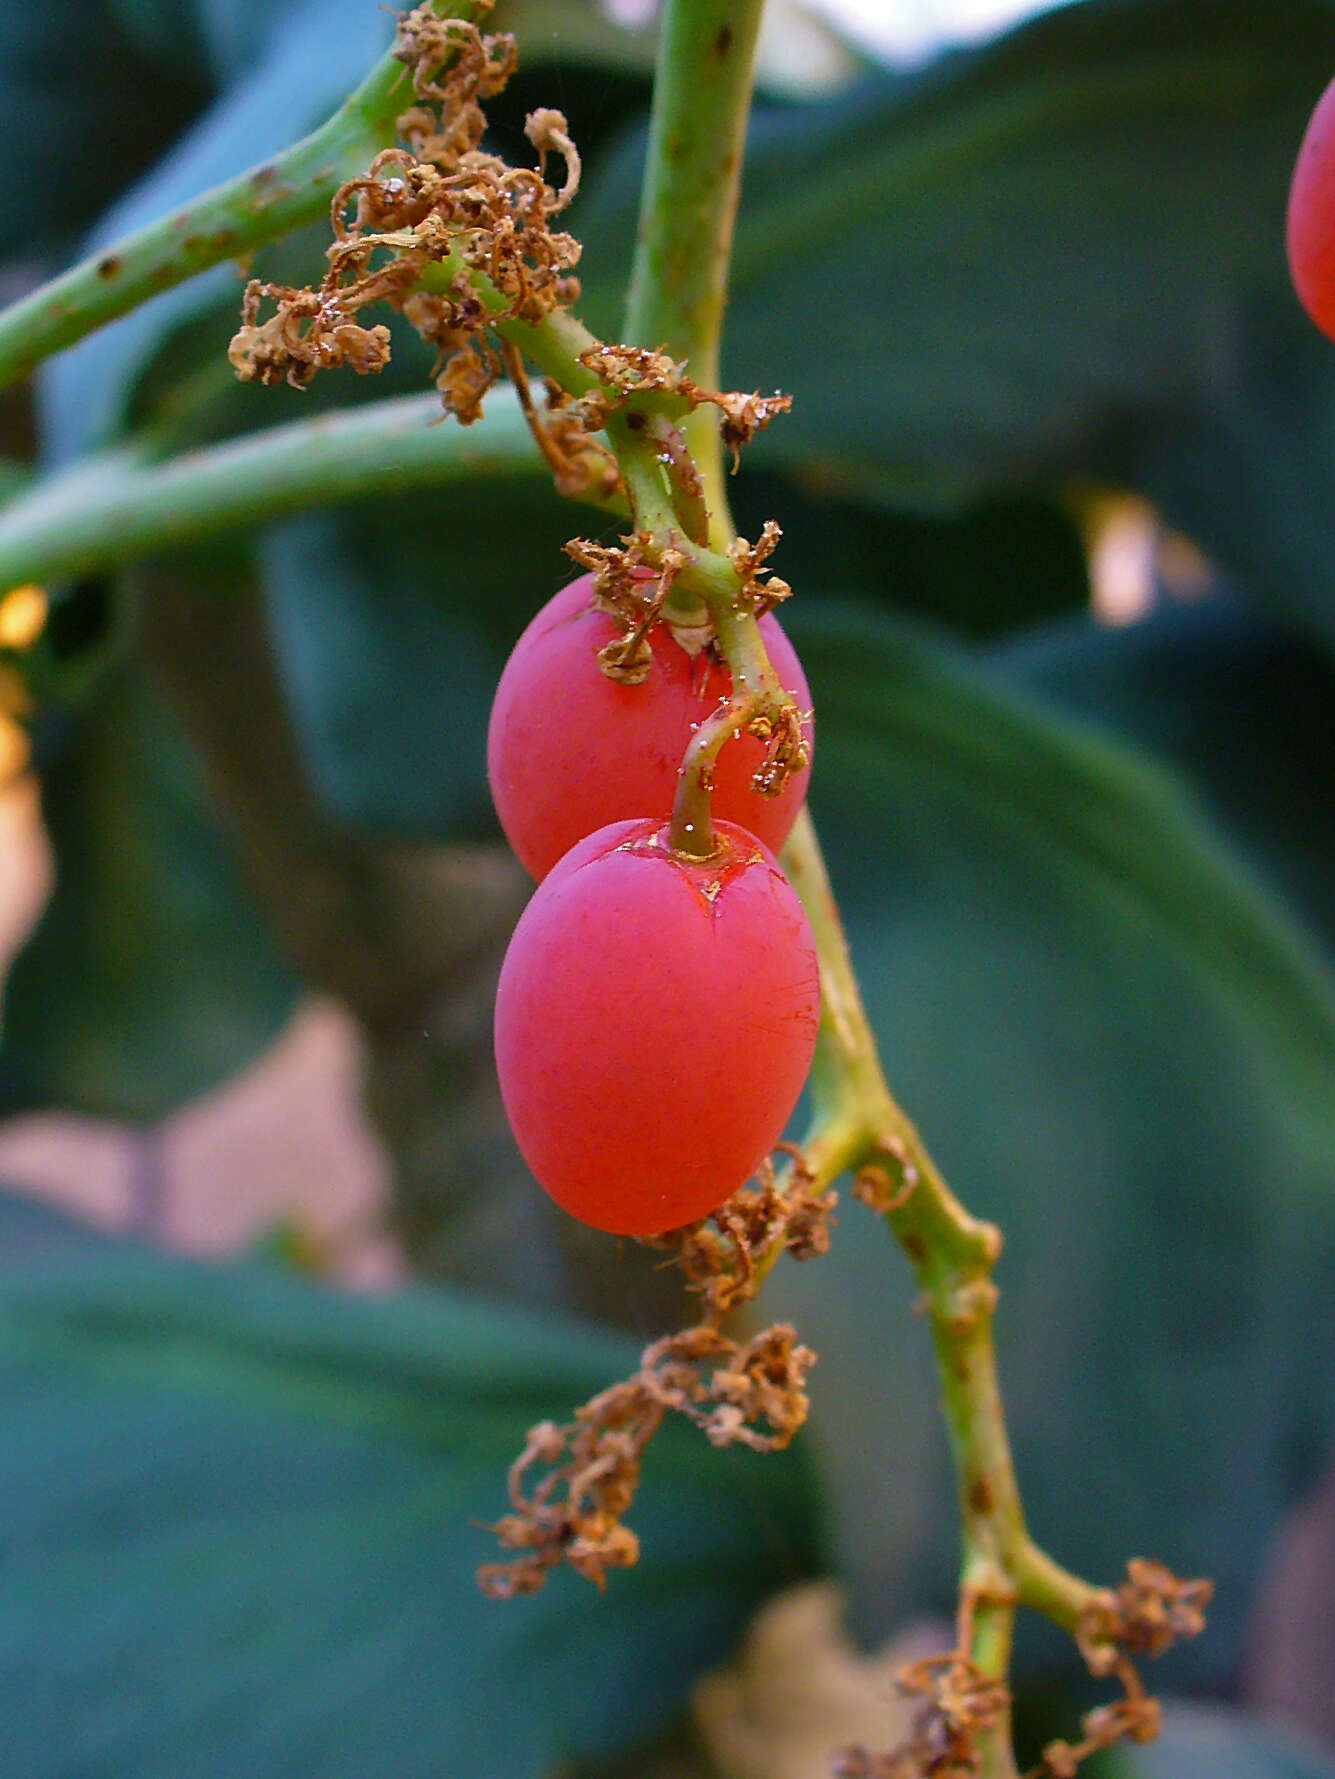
1007, 559
1057, 256
150, 976
71, 140
1242, 708
240, 1519
1121, 1049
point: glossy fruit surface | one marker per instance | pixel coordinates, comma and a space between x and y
1311, 217
655, 1022
569, 750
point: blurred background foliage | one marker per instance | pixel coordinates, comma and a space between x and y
1086, 870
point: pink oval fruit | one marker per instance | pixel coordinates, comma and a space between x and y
655, 1022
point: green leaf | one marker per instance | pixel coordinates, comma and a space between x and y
1057, 256
1242, 708
151, 975
241, 1515
1120, 1048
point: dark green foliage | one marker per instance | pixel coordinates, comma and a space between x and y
240, 1518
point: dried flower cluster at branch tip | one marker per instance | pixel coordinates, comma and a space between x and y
1147, 1614
750, 1393
449, 235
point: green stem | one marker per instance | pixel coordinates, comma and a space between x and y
111, 509
691, 829
227, 222
697, 134
952, 1255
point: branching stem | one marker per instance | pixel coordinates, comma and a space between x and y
112, 509
952, 1255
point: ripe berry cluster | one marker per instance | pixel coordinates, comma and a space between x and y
657, 1011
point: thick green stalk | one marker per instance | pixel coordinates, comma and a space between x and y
697, 133
227, 222
952, 1255
112, 509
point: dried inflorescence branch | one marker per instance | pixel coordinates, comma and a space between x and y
439, 211
1150, 1611
1147, 1613
460, 243
750, 1393
725, 1257
960, 1705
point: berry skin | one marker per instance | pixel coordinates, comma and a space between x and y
569, 750
1311, 218
655, 1022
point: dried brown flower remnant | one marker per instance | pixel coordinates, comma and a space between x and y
726, 1256
1149, 1612
309, 331
961, 1704
1135, 1719
449, 235
745, 415
750, 1393
761, 587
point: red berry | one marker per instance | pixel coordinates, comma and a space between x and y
655, 1022
569, 750
1311, 220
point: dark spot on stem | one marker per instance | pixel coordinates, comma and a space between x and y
635, 422
263, 175
723, 42
914, 1246
981, 1498
108, 266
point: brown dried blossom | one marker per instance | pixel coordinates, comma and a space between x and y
750, 1393
961, 1704
726, 1256
761, 588
1149, 1612
1133, 1719
630, 371
739, 1394
439, 209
